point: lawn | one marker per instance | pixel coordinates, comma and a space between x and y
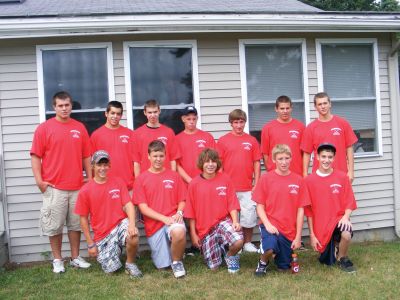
378, 277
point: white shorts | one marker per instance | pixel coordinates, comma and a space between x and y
248, 213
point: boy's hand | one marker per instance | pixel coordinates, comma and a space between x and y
93, 252
178, 217
296, 244
195, 240
168, 220
236, 226
132, 230
315, 244
271, 229
345, 224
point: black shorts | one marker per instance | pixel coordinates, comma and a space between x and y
328, 257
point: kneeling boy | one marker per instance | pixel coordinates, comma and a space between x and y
160, 194
330, 202
212, 207
112, 218
280, 211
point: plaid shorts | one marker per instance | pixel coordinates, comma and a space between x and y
110, 248
213, 244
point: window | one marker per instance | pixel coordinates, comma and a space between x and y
348, 72
270, 69
164, 71
83, 70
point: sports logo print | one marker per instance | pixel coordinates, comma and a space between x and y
201, 143
114, 193
335, 188
124, 138
76, 134
163, 139
247, 146
294, 134
221, 190
293, 189
336, 131
168, 184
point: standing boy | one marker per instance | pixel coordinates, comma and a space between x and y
149, 132
160, 194
280, 211
330, 202
60, 148
283, 130
117, 140
329, 128
212, 208
191, 142
240, 155
112, 217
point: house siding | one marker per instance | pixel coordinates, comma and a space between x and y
220, 92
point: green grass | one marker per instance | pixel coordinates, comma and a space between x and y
378, 277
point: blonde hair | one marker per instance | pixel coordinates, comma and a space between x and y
279, 149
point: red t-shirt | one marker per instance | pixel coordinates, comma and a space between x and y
280, 197
209, 201
144, 135
162, 192
337, 132
238, 154
327, 199
275, 132
119, 144
104, 203
61, 146
190, 146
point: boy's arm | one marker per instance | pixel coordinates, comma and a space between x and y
178, 217
350, 162
344, 223
264, 219
235, 220
257, 172
193, 234
152, 214
183, 174
299, 226
136, 169
130, 212
315, 244
92, 248
36, 163
87, 167
265, 158
173, 165
306, 163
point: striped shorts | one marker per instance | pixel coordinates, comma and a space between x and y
215, 244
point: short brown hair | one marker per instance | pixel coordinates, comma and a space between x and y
280, 149
115, 104
237, 114
206, 155
321, 95
156, 146
283, 99
151, 103
62, 95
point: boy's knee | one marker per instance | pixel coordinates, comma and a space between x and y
346, 235
237, 244
132, 241
178, 234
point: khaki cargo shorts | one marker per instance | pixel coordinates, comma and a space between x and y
58, 208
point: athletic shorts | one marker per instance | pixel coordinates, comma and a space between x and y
58, 208
248, 214
216, 243
160, 245
328, 257
110, 248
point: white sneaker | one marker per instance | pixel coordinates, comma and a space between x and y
79, 262
249, 247
178, 269
58, 266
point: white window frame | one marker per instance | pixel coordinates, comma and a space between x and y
277, 42
39, 59
192, 44
352, 41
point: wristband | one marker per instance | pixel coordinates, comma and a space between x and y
92, 246
179, 212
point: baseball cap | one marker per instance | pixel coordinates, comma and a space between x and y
189, 110
99, 155
326, 146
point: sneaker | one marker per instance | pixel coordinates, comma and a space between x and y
249, 247
261, 268
346, 265
58, 266
192, 251
178, 269
233, 263
79, 262
132, 270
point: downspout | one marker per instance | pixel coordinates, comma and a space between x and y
393, 60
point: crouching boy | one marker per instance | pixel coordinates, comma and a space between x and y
112, 218
330, 200
160, 194
280, 211
212, 209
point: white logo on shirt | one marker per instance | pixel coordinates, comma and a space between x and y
293, 189
163, 139
76, 134
221, 190
336, 131
335, 188
247, 146
124, 138
201, 143
294, 134
168, 184
114, 193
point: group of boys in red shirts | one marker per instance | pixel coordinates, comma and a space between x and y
218, 187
